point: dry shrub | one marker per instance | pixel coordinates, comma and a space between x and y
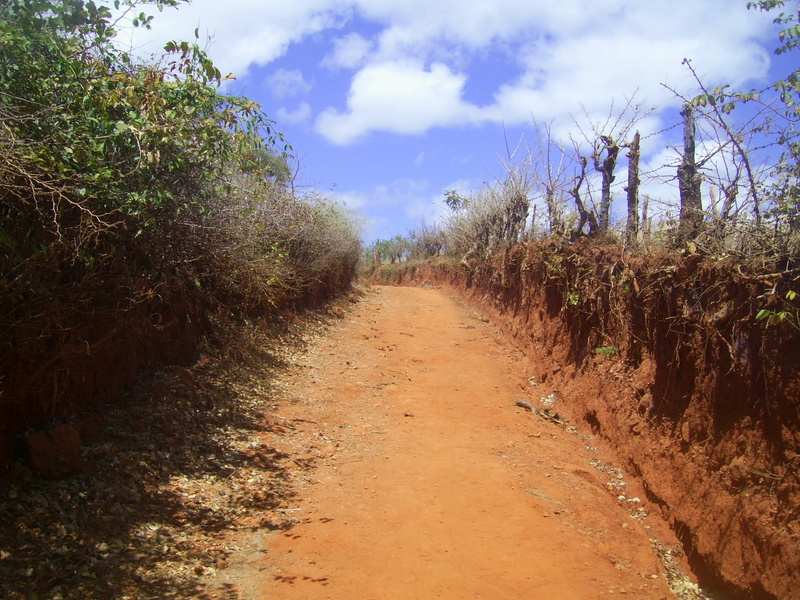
77, 325
284, 247
493, 216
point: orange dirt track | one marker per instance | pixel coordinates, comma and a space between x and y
418, 477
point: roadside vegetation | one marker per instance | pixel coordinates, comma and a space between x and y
142, 209
729, 189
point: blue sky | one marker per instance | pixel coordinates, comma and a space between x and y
388, 103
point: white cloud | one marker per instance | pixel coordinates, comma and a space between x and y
464, 187
390, 207
302, 114
614, 67
415, 24
415, 57
349, 52
353, 199
400, 98
287, 84
243, 32
573, 56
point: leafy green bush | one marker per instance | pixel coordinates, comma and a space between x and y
132, 191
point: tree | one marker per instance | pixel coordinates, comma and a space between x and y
454, 200
94, 140
604, 139
266, 162
585, 216
549, 165
606, 169
426, 241
130, 190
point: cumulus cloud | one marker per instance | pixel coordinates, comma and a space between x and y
400, 97
413, 198
572, 58
301, 114
473, 24
349, 52
243, 32
287, 84
413, 58
355, 199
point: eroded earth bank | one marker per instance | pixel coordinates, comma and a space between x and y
664, 359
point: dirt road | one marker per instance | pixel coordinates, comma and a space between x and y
418, 477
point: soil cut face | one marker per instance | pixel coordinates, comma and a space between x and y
416, 475
664, 358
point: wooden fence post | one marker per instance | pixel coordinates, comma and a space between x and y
689, 180
632, 229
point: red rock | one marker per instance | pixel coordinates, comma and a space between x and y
644, 376
54, 453
92, 430
738, 471
337, 311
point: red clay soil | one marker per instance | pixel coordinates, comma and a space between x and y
417, 475
663, 359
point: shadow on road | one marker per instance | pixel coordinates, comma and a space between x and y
168, 470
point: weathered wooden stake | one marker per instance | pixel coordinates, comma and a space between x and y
645, 222
689, 180
632, 230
